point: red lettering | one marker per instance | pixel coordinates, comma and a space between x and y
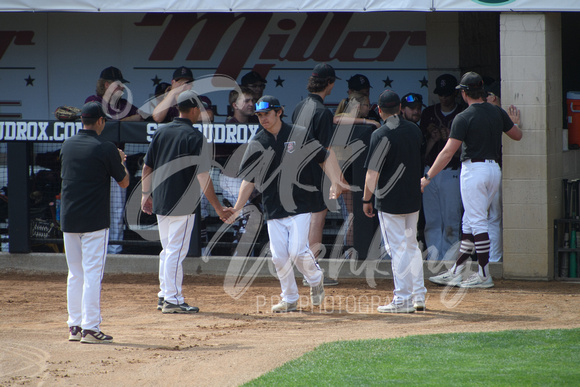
394, 45
173, 36
360, 40
20, 38
304, 37
276, 42
244, 43
330, 37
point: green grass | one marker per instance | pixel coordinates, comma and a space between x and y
508, 358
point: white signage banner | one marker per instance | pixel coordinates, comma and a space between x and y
52, 59
216, 5
287, 6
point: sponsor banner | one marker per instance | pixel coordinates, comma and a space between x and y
128, 132
43, 65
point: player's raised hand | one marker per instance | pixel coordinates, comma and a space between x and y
514, 114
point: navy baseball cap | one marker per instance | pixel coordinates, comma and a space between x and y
267, 103
187, 99
358, 82
114, 74
252, 77
182, 73
323, 70
445, 84
93, 110
412, 100
389, 99
470, 81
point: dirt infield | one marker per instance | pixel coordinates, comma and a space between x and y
232, 341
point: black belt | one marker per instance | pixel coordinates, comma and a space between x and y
480, 160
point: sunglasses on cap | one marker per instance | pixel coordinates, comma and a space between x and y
265, 105
412, 98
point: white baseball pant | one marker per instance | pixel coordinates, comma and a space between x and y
86, 254
117, 210
399, 232
495, 231
479, 184
175, 235
289, 247
442, 209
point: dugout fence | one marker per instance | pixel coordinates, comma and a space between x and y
30, 188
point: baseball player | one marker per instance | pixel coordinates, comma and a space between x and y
312, 114
393, 170
442, 198
280, 161
478, 131
175, 167
88, 164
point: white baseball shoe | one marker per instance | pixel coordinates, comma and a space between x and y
283, 307
447, 278
396, 308
317, 294
476, 281
419, 305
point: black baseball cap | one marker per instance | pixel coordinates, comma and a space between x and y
187, 99
494, 88
358, 82
445, 84
114, 74
470, 81
93, 110
389, 99
267, 103
324, 70
161, 88
182, 73
412, 100
252, 77
205, 101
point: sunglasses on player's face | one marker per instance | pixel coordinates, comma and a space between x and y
265, 105
411, 98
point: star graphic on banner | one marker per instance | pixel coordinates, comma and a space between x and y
424, 82
29, 81
388, 82
156, 80
279, 81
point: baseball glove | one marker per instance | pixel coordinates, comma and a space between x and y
67, 113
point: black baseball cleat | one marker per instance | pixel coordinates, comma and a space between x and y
181, 308
92, 337
75, 333
160, 303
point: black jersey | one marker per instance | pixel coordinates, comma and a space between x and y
395, 152
177, 154
480, 127
87, 164
284, 169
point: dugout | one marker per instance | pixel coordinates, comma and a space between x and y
33, 167
528, 44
